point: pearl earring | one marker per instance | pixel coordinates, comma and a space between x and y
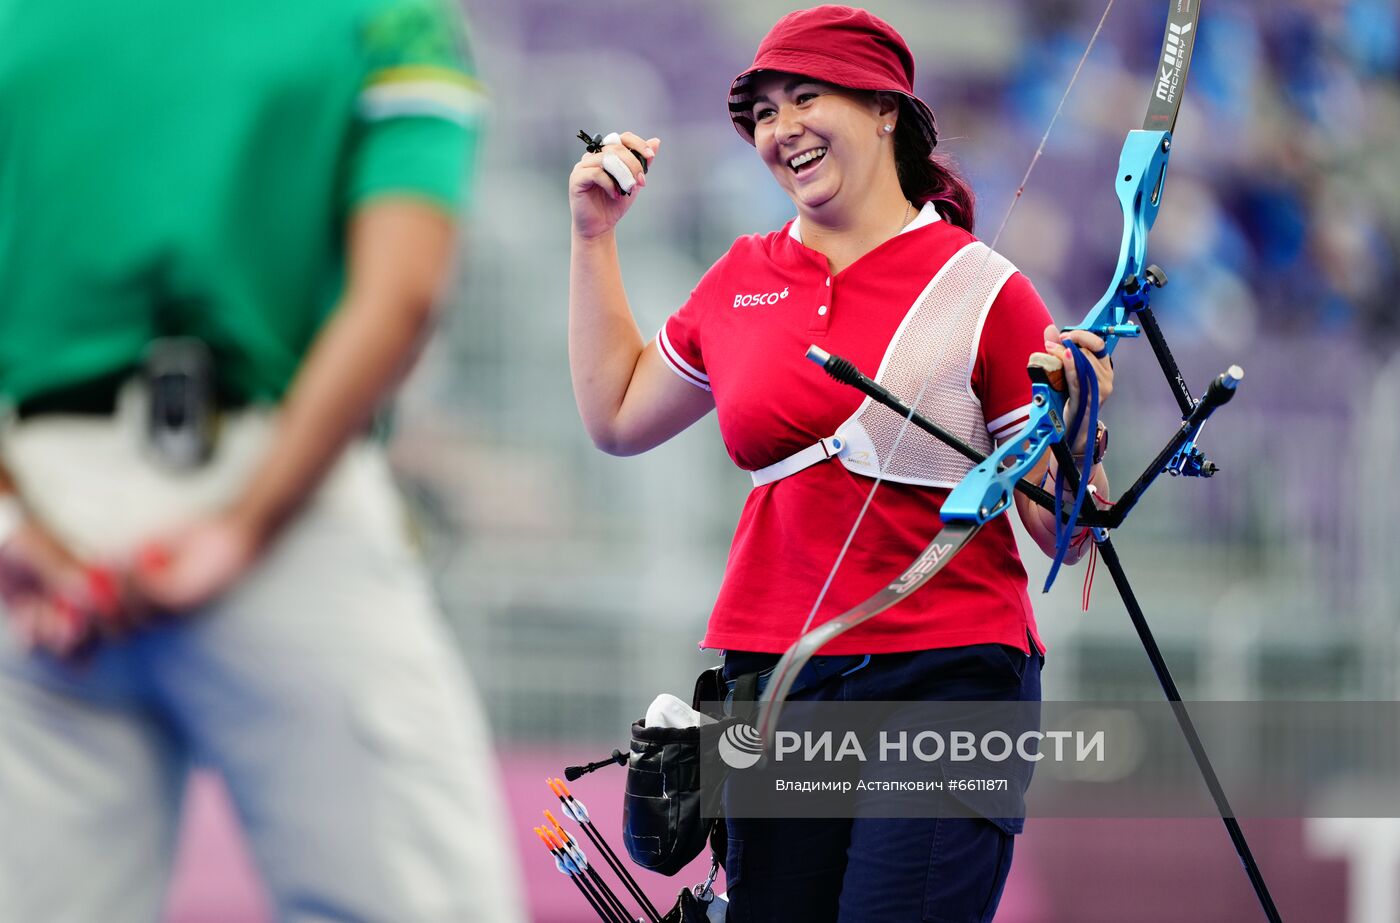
889, 128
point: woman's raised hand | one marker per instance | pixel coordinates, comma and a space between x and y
594, 200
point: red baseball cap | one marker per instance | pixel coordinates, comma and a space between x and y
840, 45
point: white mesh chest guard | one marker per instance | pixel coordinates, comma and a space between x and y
936, 340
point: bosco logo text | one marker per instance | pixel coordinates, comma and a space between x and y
751, 301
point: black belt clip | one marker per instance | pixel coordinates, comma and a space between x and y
182, 402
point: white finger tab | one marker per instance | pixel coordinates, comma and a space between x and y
618, 170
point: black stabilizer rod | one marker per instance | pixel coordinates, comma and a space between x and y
845, 371
1165, 359
1183, 718
1221, 390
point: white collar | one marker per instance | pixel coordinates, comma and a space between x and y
926, 216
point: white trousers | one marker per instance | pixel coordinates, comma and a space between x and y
324, 688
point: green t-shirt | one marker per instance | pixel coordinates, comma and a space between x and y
176, 168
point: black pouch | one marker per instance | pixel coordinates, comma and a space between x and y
667, 817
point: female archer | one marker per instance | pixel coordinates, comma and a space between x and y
880, 266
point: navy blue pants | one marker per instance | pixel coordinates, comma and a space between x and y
879, 869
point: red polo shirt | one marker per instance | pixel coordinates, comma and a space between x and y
744, 334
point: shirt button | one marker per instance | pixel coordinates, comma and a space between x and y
822, 310
828, 281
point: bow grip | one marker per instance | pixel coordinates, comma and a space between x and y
1045, 369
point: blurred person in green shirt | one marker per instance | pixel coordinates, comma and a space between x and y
266, 193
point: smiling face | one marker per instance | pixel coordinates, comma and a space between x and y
825, 145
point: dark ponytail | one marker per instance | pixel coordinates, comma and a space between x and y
928, 177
